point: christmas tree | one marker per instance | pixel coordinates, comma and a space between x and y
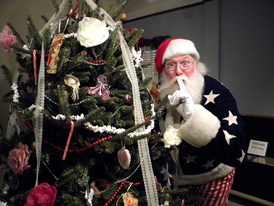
91, 137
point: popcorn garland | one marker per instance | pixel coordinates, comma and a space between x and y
14, 88
107, 128
13, 121
3, 203
114, 130
16, 94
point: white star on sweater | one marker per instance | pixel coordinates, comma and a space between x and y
210, 97
190, 159
208, 164
228, 136
231, 118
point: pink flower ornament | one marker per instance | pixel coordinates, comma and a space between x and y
18, 158
7, 39
42, 195
101, 89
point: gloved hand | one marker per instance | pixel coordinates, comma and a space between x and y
182, 101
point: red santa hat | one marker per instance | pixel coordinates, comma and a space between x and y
172, 47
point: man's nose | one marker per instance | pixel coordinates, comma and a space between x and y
178, 69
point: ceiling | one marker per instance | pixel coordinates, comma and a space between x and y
140, 8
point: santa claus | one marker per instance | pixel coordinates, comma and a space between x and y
204, 115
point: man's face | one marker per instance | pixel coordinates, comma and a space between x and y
180, 65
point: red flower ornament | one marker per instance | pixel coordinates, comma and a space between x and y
18, 158
42, 195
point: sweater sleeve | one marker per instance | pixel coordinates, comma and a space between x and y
217, 125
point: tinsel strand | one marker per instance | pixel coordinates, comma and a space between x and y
38, 113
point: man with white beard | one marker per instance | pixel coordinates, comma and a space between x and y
204, 115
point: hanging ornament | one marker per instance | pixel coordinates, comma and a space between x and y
124, 158
129, 200
154, 91
128, 97
89, 196
53, 57
123, 16
137, 57
74, 83
13, 126
101, 88
97, 192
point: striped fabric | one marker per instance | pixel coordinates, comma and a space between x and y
214, 193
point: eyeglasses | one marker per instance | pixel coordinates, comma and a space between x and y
171, 66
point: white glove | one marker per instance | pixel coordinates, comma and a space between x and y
182, 101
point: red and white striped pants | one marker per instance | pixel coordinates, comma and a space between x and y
213, 193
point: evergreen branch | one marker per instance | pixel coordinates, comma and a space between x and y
7, 73
20, 40
47, 38
44, 18
55, 5
113, 45
79, 58
135, 38
118, 9
131, 129
7, 98
179, 191
65, 53
22, 50
63, 100
33, 32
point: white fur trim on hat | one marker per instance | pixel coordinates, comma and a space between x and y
180, 46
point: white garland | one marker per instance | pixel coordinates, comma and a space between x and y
14, 88
3, 203
108, 128
16, 95
148, 129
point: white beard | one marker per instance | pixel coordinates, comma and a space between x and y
194, 84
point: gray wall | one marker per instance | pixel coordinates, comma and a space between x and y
234, 38
247, 53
